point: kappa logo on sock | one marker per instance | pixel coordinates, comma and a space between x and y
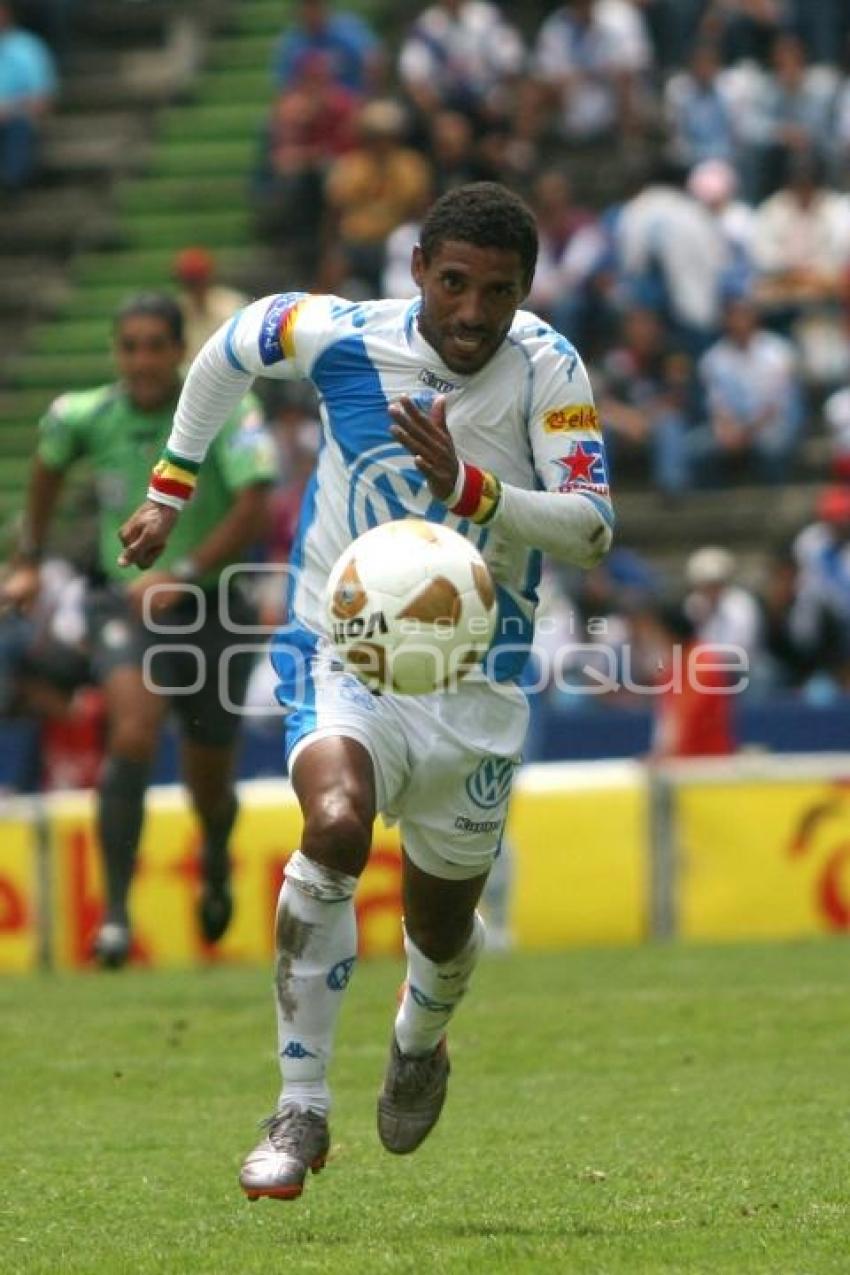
427, 1002
340, 975
294, 1049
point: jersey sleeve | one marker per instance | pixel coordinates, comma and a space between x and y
280, 336
564, 429
60, 438
244, 450
569, 516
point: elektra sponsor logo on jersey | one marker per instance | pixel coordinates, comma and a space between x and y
575, 417
490, 783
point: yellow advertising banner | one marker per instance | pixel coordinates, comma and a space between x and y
763, 859
18, 891
580, 864
756, 856
165, 887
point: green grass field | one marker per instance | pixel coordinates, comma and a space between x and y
662, 1109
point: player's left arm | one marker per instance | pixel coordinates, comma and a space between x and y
572, 517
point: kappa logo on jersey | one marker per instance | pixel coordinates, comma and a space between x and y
340, 976
584, 468
573, 417
490, 783
276, 334
434, 382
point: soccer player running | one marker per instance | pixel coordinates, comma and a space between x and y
120, 430
464, 409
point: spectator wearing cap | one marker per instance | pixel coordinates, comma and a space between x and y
369, 191
714, 183
754, 397
351, 48
673, 256
723, 613
822, 553
28, 84
205, 303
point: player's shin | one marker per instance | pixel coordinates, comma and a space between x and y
433, 991
121, 805
316, 941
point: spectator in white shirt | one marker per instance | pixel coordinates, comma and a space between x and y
592, 57
464, 55
755, 403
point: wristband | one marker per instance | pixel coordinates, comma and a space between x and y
173, 480
480, 495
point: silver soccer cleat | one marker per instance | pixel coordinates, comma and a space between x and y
412, 1098
295, 1141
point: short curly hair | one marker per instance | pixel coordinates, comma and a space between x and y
487, 215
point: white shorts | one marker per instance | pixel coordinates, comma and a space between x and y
444, 763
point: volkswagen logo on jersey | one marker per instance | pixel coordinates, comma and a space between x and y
385, 484
490, 783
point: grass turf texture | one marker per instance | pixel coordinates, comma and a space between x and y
662, 1109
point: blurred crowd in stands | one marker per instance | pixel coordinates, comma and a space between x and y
688, 162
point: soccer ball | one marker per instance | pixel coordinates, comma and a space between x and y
411, 607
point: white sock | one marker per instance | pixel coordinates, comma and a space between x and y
316, 940
433, 992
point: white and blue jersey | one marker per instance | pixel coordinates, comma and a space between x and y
527, 416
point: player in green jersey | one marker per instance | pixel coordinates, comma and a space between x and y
120, 430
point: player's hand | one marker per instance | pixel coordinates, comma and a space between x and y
145, 534
19, 590
428, 439
161, 588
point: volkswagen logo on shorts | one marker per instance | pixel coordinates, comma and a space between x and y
490, 783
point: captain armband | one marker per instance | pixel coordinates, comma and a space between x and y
476, 495
173, 480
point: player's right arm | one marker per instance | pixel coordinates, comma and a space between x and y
276, 336
59, 445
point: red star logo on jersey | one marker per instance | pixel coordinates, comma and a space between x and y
581, 465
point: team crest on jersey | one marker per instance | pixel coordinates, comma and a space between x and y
574, 417
276, 333
583, 469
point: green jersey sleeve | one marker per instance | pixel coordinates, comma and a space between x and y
62, 430
244, 451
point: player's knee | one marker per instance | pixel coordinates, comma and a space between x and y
131, 741
337, 835
437, 941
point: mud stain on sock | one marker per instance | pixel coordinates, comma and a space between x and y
291, 938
